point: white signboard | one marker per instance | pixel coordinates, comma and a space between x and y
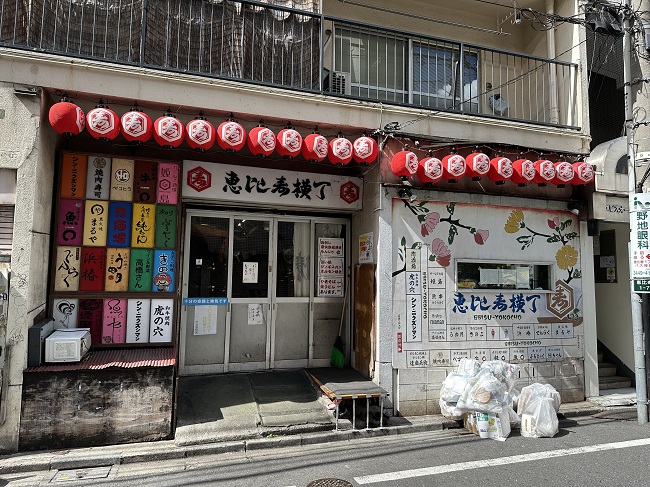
328, 266
330, 286
365, 248
250, 273
255, 314
273, 187
205, 320
640, 235
137, 320
161, 324
330, 247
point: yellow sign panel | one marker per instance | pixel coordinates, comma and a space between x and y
117, 269
144, 226
95, 223
66, 277
122, 179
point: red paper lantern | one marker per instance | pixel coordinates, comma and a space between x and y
103, 123
364, 150
200, 134
67, 118
261, 141
523, 172
453, 167
289, 143
583, 173
231, 136
404, 164
478, 165
315, 147
429, 170
340, 151
500, 170
544, 172
136, 126
168, 131
563, 173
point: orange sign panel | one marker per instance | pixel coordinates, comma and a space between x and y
73, 176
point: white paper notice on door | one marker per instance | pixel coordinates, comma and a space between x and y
250, 273
255, 314
205, 320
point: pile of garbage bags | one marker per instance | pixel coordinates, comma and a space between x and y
484, 398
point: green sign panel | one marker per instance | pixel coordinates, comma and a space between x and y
642, 285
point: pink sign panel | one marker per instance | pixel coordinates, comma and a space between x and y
167, 183
69, 225
114, 323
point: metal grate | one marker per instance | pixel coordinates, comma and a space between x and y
6, 231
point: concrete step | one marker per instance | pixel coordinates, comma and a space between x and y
613, 382
606, 370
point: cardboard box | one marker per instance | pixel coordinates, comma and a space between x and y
67, 345
495, 426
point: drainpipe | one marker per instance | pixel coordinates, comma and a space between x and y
554, 111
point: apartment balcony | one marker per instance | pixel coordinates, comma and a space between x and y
302, 50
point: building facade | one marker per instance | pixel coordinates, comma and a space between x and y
441, 201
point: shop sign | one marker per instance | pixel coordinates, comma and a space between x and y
69, 224
114, 323
144, 216
119, 224
98, 181
122, 180
164, 262
93, 267
117, 269
95, 224
66, 276
166, 222
91, 316
161, 320
65, 313
141, 270
73, 176
145, 181
239, 184
137, 322
167, 183
640, 240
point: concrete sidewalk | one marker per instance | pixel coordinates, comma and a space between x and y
163, 450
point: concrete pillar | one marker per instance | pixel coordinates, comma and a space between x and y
27, 146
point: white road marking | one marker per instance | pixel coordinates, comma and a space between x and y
493, 462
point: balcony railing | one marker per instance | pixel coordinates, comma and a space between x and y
298, 48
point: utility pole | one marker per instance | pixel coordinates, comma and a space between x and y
637, 314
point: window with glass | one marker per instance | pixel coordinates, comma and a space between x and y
501, 275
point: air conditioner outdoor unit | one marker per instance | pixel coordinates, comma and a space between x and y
340, 83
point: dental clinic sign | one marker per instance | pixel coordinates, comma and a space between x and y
270, 187
640, 241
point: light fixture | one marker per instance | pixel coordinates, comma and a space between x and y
575, 206
407, 194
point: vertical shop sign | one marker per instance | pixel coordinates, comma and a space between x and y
413, 296
90, 316
167, 183
73, 176
137, 323
141, 270
69, 224
117, 269
640, 241
66, 273
164, 262
65, 313
161, 320
143, 231
98, 182
122, 180
166, 221
144, 183
93, 267
114, 322
119, 224
95, 224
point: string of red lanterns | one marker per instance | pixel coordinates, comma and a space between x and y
430, 170
168, 131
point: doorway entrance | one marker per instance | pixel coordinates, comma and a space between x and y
260, 291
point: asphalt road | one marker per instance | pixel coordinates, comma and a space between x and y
586, 452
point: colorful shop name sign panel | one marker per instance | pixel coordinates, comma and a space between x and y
485, 292
117, 320
222, 182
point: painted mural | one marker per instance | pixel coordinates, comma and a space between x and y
520, 302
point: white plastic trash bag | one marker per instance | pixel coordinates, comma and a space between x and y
468, 367
450, 411
484, 392
538, 407
537, 391
452, 387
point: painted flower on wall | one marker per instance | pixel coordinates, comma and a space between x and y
430, 222
480, 236
566, 257
440, 252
